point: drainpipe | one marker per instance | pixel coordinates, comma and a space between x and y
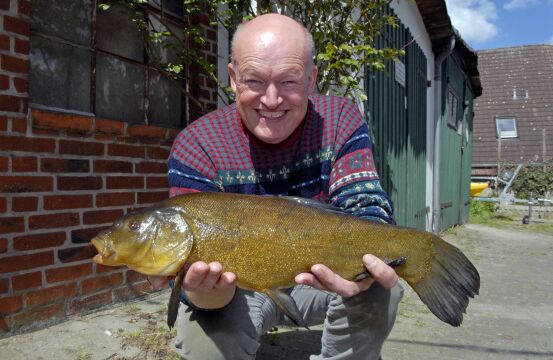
436, 206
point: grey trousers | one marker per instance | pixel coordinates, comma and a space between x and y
354, 328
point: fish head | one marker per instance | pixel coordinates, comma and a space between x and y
153, 241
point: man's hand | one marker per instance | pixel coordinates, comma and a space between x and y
206, 285
321, 277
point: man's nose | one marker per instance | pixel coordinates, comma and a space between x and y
271, 99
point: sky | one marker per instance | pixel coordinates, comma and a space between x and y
490, 24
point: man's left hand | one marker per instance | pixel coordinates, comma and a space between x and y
321, 277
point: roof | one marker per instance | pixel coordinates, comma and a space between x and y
438, 25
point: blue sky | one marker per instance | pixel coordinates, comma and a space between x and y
489, 24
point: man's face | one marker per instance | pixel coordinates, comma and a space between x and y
272, 78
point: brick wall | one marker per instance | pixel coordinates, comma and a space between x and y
63, 178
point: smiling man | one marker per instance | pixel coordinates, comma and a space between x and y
281, 139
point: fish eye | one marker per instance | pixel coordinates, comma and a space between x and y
134, 225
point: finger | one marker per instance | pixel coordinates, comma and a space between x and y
227, 280
337, 284
309, 280
213, 275
195, 275
380, 271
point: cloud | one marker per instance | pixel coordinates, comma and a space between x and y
474, 19
518, 4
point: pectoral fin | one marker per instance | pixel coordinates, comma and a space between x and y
174, 300
287, 305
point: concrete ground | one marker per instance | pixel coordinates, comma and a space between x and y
512, 318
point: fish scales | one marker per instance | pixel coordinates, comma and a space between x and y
267, 240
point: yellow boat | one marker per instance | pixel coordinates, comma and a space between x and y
476, 188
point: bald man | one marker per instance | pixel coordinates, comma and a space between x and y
281, 139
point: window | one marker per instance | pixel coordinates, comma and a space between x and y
506, 127
90, 60
452, 111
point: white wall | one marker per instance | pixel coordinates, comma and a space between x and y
409, 15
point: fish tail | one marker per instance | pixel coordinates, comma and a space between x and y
449, 284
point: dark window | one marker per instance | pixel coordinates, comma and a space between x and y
91, 60
452, 108
506, 127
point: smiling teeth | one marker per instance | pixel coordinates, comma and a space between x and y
271, 114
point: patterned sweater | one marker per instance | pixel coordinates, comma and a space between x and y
327, 158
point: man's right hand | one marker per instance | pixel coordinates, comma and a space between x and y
206, 285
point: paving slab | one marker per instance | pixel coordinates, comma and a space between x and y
512, 318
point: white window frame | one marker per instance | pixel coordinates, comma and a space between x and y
509, 134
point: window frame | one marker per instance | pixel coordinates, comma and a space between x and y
499, 133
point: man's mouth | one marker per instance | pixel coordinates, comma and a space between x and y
271, 114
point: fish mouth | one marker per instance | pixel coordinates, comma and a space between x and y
104, 249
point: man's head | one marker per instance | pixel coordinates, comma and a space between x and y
272, 73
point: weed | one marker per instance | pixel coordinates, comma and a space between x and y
83, 355
154, 342
132, 309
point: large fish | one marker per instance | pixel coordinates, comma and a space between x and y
267, 240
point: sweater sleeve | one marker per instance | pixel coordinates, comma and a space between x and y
354, 183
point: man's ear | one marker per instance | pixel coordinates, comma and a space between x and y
232, 75
313, 80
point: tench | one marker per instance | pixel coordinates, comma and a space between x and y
267, 240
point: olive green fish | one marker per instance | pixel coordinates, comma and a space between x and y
267, 240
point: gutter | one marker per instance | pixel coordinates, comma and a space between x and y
436, 206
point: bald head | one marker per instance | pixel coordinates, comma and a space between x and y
270, 29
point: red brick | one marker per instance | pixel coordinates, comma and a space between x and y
3, 123
131, 291
125, 182
27, 203
101, 216
52, 221
115, 199
68, 273
24, 164
100, 283
3, 163
4, 42
33, 318
27, 281
3, 245
91, 302
110, 127
112, 166
38, 241
12, 225
4, 82
10, 103
81, 148
82, 236
157, 182
21, 87
133, 276
16, 25
51, 294
151, 168
24, 7
76, 253
19, 125
21, 46
4, 286
157, 153
151, 197
59, 202
24, 262
126, 150
64, 165
17, 184
50, 120
3, 205
10, 304
146, 131
127, 140
13, 64
22, 143
68, 183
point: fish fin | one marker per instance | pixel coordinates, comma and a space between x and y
287, 305
313, 203
449, 284
174, 300
393, 264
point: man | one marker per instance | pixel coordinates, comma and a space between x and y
279, 139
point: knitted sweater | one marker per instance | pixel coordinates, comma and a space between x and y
327, 158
